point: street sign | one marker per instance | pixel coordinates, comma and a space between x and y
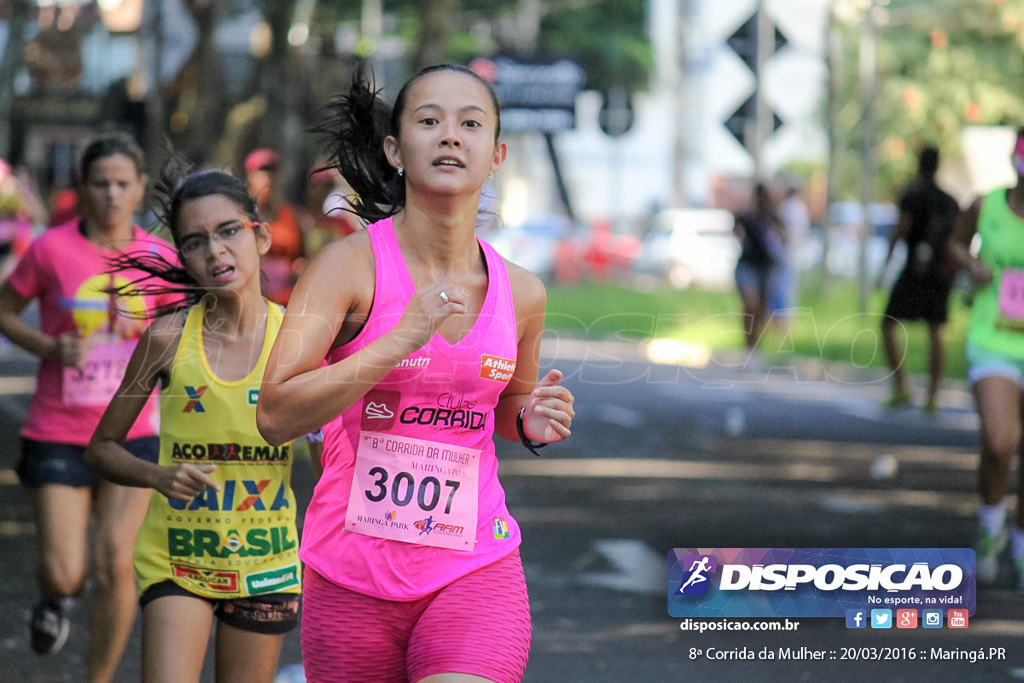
744, 42
616, 115
538, 96
744, 116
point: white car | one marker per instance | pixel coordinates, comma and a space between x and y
844, 234
531, 245
691, 248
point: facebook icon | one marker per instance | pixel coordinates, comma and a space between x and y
856, 618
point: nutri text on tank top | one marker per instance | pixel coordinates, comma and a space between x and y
410, 499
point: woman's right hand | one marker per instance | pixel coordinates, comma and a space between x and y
185, 482
69, 350
427, 310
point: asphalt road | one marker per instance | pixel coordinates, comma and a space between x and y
664, 456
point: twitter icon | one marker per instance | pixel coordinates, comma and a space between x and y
881, 618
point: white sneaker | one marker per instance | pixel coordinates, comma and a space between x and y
48, 628
988, 550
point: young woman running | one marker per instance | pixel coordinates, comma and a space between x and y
219, 538
83, 345
432, 342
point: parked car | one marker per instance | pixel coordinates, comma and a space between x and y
606, 250
533, 244
690, 248
845, 226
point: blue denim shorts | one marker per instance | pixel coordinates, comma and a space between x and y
46, 462
983, 363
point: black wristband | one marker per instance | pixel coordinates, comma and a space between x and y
531, 446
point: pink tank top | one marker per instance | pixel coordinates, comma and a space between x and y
68, 274
410, 500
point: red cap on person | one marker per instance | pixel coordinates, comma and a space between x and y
262, 158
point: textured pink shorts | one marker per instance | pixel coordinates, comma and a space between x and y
479, 625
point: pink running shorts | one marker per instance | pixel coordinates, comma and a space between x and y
479, 625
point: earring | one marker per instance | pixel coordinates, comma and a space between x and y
401, 171
490, 176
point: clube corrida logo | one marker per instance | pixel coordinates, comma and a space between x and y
817, 582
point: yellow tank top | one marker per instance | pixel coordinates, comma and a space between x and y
241, 540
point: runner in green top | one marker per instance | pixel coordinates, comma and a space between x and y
995, 356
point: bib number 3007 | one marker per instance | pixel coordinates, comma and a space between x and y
404, 487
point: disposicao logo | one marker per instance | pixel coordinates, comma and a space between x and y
818, 582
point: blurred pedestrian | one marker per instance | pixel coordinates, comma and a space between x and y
219, 538
762, 241
995, 358
796, 221
21, 212
432, 341
83, 344
927, 216
283, 263
63, 206
326, 217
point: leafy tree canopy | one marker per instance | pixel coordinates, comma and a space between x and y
608, 38
942, 65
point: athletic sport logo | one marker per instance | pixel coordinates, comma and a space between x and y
194, 405
695, 578
497, 368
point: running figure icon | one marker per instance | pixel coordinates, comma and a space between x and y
425, 526
697, 570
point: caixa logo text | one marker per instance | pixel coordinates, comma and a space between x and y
830, 577
238, 495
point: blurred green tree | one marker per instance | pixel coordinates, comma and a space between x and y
941, 65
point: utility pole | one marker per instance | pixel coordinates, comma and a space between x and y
752, 124
764, 117
153, 33
684, 124
11, 63
834, 57
868, 88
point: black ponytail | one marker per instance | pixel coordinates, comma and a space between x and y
353, 133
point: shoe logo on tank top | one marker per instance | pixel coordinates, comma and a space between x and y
194, 405
379, 408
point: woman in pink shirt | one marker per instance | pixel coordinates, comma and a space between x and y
84, 340
432, 341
